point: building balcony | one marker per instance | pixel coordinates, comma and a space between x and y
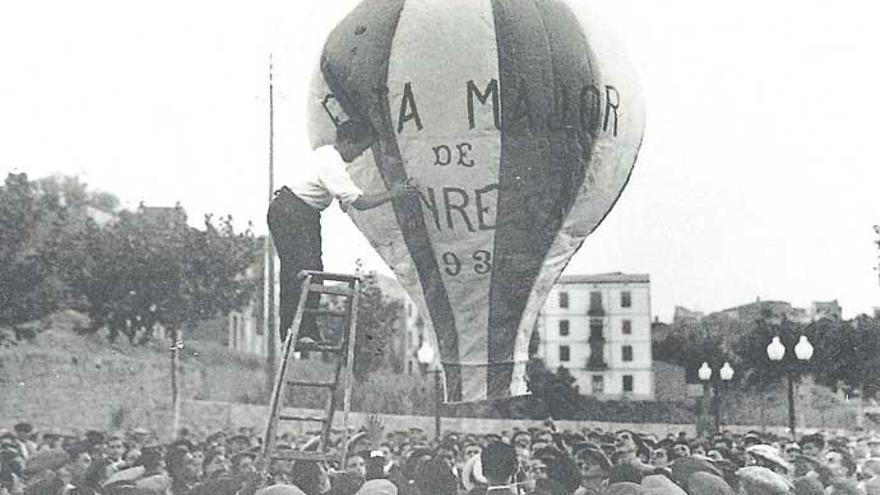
597, 364
597, 311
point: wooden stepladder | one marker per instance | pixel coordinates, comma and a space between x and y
348, 292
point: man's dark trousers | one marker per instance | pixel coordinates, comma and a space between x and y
296, 232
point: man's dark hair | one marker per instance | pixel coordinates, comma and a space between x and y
816, 439
375, 467
306, 475
498, 461
24, 428
435, 477
519, 434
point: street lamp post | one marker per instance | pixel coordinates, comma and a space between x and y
803, 351
705, 374
425, 355
726, 374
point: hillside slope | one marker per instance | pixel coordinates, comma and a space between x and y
61, 379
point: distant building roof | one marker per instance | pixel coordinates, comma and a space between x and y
685, 315
757, 305
634, 278
162, 215
826, 304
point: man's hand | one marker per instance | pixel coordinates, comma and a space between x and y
402, 188
375, 429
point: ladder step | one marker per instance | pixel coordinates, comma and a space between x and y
336, 290
298, 455
296, 383
325, 312
319, 348
314, 419
337, 277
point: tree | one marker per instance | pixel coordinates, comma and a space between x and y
150, 267
377, 323
44, 260
689, 346
757, 370
848, 354
556, 392
31, 238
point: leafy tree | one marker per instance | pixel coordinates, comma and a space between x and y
689, 346
150, 267
555, 392
31, 239
44, 258
756, 368
847, 353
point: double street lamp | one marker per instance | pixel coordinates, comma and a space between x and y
425, 355
803, 351
705, 374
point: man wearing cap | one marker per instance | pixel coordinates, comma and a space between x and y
294, 219
756, 480
594, 467
769, 457
24, 433
238, 443
243, 464
813, 445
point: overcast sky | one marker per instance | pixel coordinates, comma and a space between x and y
758, 175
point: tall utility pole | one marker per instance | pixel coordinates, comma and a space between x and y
269, 317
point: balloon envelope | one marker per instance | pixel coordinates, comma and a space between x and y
519, 119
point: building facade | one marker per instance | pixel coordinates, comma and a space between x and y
599, 328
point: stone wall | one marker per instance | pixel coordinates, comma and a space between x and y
217, 415
72, 383
58, 391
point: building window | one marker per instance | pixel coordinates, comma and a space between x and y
627, 353
596, 330
596, 304
627, 327
627, 384
563, 328
598, 384
564, 353
563, 299
626, 299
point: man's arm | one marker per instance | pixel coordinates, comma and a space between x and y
369, 201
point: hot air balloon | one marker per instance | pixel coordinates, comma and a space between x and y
519, 119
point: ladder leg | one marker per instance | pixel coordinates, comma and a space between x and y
277, 401
330, 406
351, 334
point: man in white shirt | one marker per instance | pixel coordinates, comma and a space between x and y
295, 223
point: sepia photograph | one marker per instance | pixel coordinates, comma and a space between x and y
439, 247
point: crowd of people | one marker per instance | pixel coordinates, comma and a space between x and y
539, 460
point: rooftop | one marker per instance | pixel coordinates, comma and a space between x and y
633, 278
